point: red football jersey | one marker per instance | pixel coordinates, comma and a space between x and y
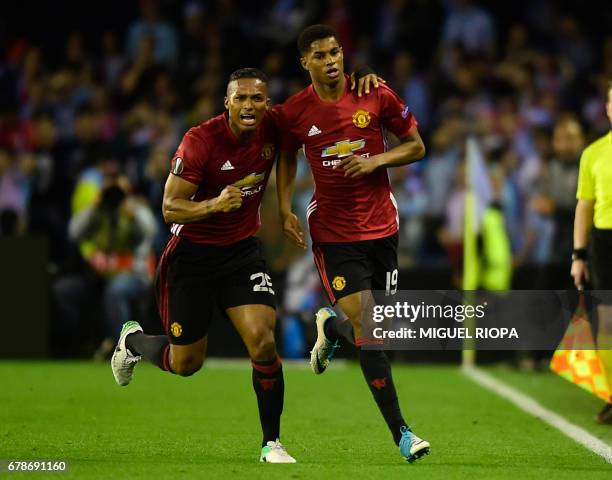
346, 209
211, 156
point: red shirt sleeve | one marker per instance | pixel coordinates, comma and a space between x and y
395, 115
287, 141
190, 158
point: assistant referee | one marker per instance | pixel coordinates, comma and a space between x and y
594, 217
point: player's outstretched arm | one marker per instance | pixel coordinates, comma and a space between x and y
410, 149
286, 168
178, 207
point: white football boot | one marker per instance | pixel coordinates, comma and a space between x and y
274, 452
123, 361
323, 350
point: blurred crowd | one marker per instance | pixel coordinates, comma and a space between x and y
106, 114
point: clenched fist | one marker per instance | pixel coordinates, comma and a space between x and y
229, 199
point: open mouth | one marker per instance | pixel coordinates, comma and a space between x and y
247, 119
332, 72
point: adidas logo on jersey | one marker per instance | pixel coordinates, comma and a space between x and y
227, 166
313, 131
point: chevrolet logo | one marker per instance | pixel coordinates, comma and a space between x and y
249, 181
343, 148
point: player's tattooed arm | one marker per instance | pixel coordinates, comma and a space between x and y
363, 78
410, 149
286, 168
178, 206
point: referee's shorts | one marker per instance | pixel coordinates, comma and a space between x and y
601, 264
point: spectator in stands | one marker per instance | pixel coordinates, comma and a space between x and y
558, 182
114, 234
163, 34
413, 89
14, 192
470, 27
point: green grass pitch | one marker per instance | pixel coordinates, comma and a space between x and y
206, 426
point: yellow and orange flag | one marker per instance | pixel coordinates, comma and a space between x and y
577, 360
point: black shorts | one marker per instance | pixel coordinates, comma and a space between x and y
192, 278
601, 262
346, 268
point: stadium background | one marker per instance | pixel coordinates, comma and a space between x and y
114, 86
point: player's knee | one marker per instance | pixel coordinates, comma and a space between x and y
187, 366
263, 346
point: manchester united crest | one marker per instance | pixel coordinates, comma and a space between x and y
267, 152
339, 283
361, 118
176, 329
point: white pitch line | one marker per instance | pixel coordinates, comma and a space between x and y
529, 405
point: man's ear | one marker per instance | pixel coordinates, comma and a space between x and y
226, 103
303, 61
268, 102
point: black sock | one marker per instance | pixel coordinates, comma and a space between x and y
269, 387
150, 347
377, 372
336, 329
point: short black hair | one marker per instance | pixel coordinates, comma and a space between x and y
248, 73
312, 34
